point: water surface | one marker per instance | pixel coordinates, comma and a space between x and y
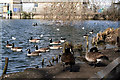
22, 30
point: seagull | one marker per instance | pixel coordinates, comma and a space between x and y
58, 29
83, 28
13, 38
41, 35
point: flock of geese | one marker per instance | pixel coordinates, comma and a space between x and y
93, 56
53, 45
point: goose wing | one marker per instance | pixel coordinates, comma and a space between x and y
67, 58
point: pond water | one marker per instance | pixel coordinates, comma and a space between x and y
22, 30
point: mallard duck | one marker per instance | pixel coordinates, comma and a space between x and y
42, 49
55, 42
17, 49
67, 58
8, 45
55, 47
36, 53
34, 40
94, 56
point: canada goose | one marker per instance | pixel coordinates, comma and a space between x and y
67, 58
62, 40
118, 45
118, 41
91, 32
41, 49
34, 24
34, 40
94, 56
36, 53
55, 47
8, 45
18, 49
55, 42
85, 35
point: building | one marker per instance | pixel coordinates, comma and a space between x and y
10, 7
39, 7
4, 7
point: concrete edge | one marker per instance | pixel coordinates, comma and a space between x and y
101, 74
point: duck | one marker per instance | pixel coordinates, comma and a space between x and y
55, 47
85, 35
68, 58
34, 40
35, 53
55, 42
8, 45
62, 40
17, 49
41, 49
95, 57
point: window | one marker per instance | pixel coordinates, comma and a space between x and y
36, 5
